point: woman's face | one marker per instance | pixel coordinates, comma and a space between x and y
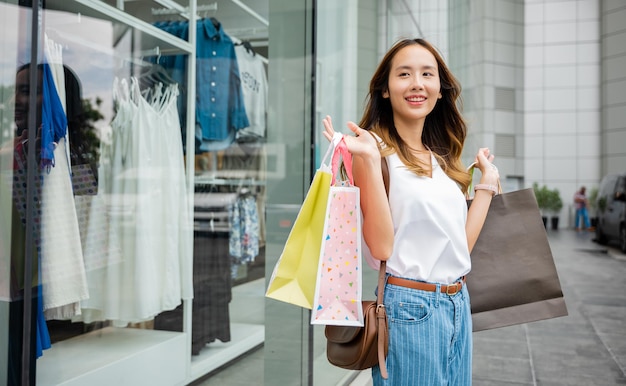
22, 105
413, 85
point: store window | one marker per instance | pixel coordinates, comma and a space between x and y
146, 220
20, 109
346, 57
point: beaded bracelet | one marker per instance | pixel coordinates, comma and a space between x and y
492, 188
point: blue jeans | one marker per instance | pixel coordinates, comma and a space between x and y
582, 212
430, 338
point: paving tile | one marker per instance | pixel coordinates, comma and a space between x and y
499, 369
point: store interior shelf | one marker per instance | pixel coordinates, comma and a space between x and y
151, 36
245, 336
98, 357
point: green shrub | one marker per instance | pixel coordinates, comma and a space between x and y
555, 204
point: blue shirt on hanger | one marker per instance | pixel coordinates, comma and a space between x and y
220, 106
220, 109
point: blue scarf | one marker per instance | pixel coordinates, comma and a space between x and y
53, 119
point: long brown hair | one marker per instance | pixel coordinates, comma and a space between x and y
444, 128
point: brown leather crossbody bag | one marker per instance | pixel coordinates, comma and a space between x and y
360, 348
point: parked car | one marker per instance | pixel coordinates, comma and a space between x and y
611, 206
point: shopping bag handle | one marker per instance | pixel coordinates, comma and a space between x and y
471, 169
337, 137
341, 149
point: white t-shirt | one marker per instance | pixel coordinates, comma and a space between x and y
254, 88
429, 215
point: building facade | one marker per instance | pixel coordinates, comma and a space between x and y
176, 141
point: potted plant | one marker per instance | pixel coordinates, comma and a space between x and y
542, 196
555, 204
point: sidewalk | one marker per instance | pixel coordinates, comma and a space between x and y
587, 347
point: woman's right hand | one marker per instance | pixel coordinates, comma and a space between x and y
362, 144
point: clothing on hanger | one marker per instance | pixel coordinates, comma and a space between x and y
220, 108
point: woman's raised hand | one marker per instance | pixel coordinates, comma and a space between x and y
484, 163
361, 144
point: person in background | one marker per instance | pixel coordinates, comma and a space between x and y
581, 203
407, 163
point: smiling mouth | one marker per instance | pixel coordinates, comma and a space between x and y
416, 99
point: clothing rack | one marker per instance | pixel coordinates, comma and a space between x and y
173, 8
251, 12
250, 34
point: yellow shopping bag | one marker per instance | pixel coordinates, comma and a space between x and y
294, 278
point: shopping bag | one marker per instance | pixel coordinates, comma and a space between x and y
513, 278
293, 278
339, 279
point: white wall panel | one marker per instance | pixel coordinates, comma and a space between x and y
560, 122
534, 146
533, 77
504, 122
534, 56
588, 52
533, 100
560, 77
588, 31
561, 146
588, 98
589, 146
561, 169
557, 11
588, 75
614, 117
533, 13
560, 99
616, 143
505, 76
504, 53
614, 45
588, 122
504, 32
560, 33
615, 91
560, 54
533, 34
533, 123
614, 68
533, 170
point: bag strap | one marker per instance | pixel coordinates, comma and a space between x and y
381, 312
381, 318
341, 150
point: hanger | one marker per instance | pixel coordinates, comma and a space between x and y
215, 22
156, 74
246, 44
248, 47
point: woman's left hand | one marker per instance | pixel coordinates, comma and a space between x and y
490, 174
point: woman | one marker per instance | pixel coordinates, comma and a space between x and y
581, 203
415, 214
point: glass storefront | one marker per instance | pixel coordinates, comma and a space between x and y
137, 208
175, 143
